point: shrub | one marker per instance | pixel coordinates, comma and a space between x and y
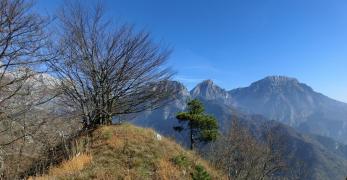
180, 160
200, 173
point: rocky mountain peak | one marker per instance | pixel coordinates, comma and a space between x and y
277, 81
279, 84
280, 79
210, 91
208, 82
206, 87
178, 87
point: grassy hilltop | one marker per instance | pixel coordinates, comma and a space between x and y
129, 152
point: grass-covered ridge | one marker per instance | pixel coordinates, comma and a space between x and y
129, 152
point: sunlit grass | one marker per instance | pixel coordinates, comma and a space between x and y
129, 152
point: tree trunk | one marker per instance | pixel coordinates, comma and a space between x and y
191, 138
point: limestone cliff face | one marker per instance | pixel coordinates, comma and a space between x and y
296, 104
208, 90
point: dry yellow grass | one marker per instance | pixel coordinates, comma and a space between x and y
168, 171
68, 167
129, 152
72, 166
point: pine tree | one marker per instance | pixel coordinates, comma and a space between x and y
202, 127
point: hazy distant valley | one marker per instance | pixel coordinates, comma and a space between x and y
311, 124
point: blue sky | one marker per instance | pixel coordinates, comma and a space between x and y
236, 42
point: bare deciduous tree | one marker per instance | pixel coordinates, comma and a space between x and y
243, 156
26, 124
107, 71
23, 50
22, 44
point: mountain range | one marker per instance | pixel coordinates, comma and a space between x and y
312, 125
285, 100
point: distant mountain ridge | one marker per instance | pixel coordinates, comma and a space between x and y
283, 100
286, 100
296, 104
278, 98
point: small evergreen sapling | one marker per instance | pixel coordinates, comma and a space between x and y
200, 173
202, 127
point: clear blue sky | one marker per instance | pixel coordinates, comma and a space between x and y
236, 42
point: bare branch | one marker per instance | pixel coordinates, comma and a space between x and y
106, 71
